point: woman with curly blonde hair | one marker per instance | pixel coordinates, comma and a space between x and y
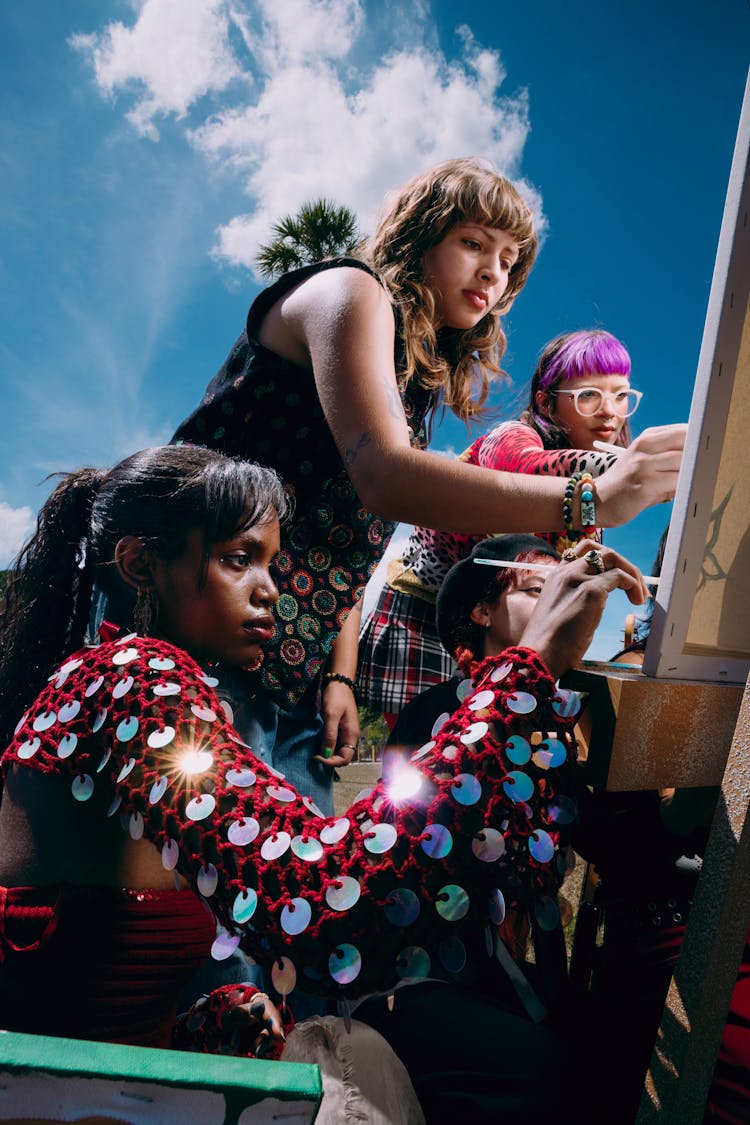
333, 382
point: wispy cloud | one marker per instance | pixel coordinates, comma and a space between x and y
16, 525
278, 95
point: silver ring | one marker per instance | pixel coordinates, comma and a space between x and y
595, 561
347, 746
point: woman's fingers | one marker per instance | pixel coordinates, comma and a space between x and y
644, 474
629, 577
572, 602
661, 439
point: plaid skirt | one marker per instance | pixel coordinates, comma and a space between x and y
400, 654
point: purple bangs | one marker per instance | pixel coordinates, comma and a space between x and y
581, 353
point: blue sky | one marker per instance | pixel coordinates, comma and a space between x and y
146, 147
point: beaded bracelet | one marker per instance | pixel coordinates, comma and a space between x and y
567, 506
339, 678
588, 509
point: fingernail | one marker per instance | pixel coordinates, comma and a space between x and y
328, 752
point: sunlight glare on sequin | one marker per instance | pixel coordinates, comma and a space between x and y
194, 761
405, 783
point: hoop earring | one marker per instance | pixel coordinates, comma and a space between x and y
145, 611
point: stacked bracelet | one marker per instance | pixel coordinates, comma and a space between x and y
567, 507
339, 678
588, 509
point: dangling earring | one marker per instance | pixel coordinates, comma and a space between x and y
144, 612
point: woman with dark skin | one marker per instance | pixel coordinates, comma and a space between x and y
129, 797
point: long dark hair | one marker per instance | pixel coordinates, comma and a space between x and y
158, 495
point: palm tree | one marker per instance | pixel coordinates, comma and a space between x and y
320, 229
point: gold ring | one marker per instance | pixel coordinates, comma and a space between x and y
569, 555
595, 561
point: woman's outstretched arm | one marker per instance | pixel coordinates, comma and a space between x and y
471, 824
340, 322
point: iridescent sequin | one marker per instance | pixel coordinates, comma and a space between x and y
481, 700
295, 917
333, 833
473, 733
488, 845
28, 748
380, 838
566, 703
82, 787
200, 807
466, 789
281, 793
243, 832
158, 739
205, 714
541, 846
500, 673
275, 845
413, 962
437, 841
343, 893
496, 906
158, 789
284, 976
69, 711
518, 750
518, 786
521, 703
127, 729
44, 721
307, 848
401, 907
126, 769
244, 905
207, 880
241, 778
452, 902
345, 963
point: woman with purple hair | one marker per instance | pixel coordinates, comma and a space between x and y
580, 394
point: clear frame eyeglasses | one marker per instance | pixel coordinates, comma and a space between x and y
590, 400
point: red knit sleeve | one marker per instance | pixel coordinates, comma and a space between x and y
355, 902
516, 448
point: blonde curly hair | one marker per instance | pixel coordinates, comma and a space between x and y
461, 365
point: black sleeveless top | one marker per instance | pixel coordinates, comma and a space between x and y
266, 409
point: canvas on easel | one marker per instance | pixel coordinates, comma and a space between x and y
701, 623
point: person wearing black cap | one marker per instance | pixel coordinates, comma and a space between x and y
480, 611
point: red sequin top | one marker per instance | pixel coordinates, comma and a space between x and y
359, 901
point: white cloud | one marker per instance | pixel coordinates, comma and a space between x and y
308, 119
16, 525
177, 51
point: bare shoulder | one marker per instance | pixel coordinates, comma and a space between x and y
338, 292
320, 307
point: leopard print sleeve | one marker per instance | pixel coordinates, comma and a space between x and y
515, 448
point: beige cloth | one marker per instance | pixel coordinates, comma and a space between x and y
363, 1080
